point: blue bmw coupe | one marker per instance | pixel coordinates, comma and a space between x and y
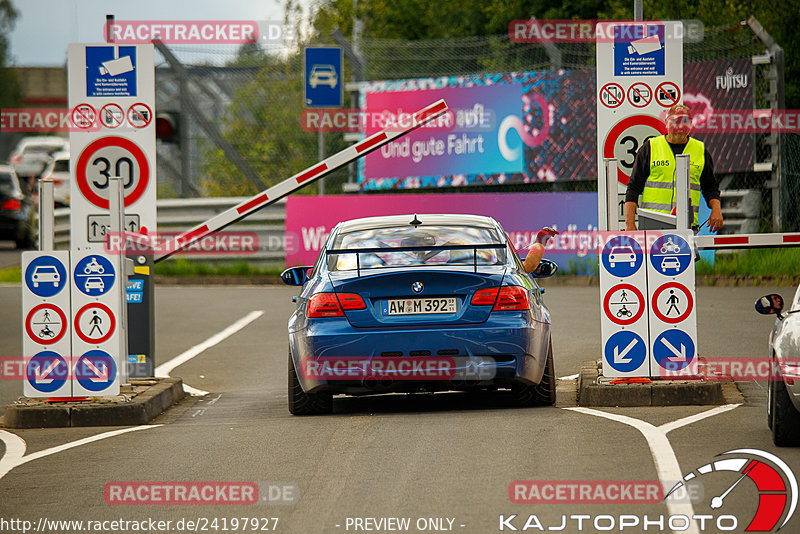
411, 303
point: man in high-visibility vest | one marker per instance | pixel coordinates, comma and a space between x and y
653, 174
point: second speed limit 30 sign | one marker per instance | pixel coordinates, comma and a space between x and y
120, 148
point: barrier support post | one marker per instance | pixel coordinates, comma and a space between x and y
116, 208
607, 197
683, 206
46, 215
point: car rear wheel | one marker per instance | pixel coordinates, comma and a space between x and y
785, 418
543, 393
302, 403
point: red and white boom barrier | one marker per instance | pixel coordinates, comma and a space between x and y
709, 242
301, 179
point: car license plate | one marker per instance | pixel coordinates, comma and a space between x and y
419, 306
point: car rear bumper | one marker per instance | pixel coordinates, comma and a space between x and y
331, 355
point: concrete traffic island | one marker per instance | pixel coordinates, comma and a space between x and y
147, 398
596, 390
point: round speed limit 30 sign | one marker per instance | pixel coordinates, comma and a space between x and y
107, 157
626, 138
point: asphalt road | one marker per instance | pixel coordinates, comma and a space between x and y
9, 255
443, 457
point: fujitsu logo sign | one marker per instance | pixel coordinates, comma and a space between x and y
729, 80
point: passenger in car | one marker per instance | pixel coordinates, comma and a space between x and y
536, 252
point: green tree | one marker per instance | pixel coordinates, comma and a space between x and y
10, 89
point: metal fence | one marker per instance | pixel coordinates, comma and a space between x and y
240, 110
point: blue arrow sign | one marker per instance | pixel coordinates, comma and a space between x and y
96, 370
94, 275
673, 350
45, 276
670, 255
625, 351
622, 256
47, 371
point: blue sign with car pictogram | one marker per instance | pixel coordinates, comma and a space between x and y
622, 256
94, 275
45, 276
323, 77
670, 255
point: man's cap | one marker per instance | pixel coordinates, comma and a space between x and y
679, 108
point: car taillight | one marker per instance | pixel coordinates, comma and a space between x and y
11, 204
509, 298
328, 305
16, 158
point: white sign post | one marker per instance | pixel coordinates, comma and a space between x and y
623, 298
673, 321
46, 340
112, 95
639, 76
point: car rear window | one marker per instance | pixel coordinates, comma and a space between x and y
409, 236
8, 185
61, 165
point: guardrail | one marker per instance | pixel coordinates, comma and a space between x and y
179, 215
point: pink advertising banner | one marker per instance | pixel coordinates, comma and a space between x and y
310, 219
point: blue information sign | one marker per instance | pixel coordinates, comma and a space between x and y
45, 276
94, 275
323, 77
673, 350
96, 370
47, 371
625, 351
670, 255
639, 50
622, 256
111, 71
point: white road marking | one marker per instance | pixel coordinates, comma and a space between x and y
165, 368
667, 467
568, 377
15, 447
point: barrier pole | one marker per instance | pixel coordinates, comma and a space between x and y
682, 203
116, 210
46, 215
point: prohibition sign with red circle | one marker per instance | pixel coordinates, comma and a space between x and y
614, 98
109, 118
57, 337
139, 115
618, 320
621, 126
120, 142
670, 100
640, 89
689, 301
83, 116
111, 327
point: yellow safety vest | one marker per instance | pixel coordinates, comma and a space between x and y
659, 189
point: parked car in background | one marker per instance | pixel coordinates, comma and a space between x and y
58, 171
32, 155
17, 214
783, 394
409, 303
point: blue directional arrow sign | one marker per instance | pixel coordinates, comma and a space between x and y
670, 255
622, 256
674, 350
96, 370
47, 371
625, 351
94, 275
45, 276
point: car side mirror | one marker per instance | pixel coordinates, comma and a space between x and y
296, 276
545, 269
770, 304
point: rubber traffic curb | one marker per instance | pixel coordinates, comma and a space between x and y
149, 398
594, 392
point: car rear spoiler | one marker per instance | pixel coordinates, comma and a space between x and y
358, 251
